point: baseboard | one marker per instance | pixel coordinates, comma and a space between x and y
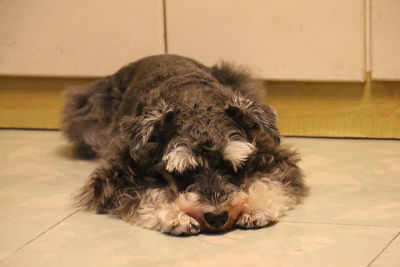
337, 109
323, 109
33, 102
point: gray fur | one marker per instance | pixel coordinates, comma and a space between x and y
132, 119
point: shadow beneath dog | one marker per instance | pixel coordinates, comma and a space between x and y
69, 151
271, 224
225, 232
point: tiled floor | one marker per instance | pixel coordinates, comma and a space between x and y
352, 217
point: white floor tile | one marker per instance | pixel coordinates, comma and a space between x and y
94, 240
36, 184
352, 181
348, 219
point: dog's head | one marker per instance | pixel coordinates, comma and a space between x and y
205, 154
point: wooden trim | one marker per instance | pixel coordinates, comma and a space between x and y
370, 110
27, 102
324, 109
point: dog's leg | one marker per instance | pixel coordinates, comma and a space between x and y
148, 208
267, 201
156, 211
271, 193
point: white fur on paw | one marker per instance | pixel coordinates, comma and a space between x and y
183, 224
255, 219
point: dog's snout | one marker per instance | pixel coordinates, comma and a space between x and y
216, 219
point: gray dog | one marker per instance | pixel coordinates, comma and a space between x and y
182, 148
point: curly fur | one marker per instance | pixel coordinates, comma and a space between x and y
177, 140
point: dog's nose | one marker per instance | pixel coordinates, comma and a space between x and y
216, 219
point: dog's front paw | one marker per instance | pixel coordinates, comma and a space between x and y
183, 224
254, 219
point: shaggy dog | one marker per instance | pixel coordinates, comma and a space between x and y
182, 148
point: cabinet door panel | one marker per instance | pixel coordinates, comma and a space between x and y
288, 39
74, 38
385, 39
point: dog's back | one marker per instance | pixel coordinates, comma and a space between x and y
92, 112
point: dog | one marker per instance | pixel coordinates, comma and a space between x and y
182, 148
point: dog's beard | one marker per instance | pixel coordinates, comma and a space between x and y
256, 204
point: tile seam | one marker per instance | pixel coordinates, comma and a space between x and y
39, 235
384, 248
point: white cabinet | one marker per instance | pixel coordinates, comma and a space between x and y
77, 38
385, 39
283, 40
287, 39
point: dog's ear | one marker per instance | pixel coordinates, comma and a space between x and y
140, 130
253, 117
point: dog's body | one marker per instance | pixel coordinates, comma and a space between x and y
182, 148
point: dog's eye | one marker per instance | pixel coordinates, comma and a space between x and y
231, 170
191, 188
152, 138
237, 175
183, 180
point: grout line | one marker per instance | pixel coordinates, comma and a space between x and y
164, 6
341, 224
39, 235
391, 241
367, 36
